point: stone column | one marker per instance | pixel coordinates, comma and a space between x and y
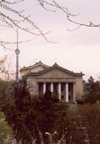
44, 88
59, 90
52, 87
66, 96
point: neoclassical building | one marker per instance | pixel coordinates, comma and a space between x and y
41, 78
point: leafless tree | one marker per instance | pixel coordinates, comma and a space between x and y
7, 9
85, 124
6, 70
54, 5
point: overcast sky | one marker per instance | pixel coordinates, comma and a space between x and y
77, 50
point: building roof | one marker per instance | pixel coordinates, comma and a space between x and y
55, 66
33, 66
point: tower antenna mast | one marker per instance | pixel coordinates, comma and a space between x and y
17, 52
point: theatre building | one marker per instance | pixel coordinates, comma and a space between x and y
41, 78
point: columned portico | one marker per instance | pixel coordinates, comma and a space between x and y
65, 90
55, 78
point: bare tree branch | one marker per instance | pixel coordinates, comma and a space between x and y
69, 15
17, 22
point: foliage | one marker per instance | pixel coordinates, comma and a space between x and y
85, 124
92, 91
13, 109
5, 130
30, 118
46, 119
4, 85
50, 112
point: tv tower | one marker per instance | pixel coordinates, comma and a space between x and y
17, 52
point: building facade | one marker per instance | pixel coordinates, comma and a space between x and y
40, 77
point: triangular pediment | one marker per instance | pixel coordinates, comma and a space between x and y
55, 73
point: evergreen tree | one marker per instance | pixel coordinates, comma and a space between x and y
31, 118
92, 91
